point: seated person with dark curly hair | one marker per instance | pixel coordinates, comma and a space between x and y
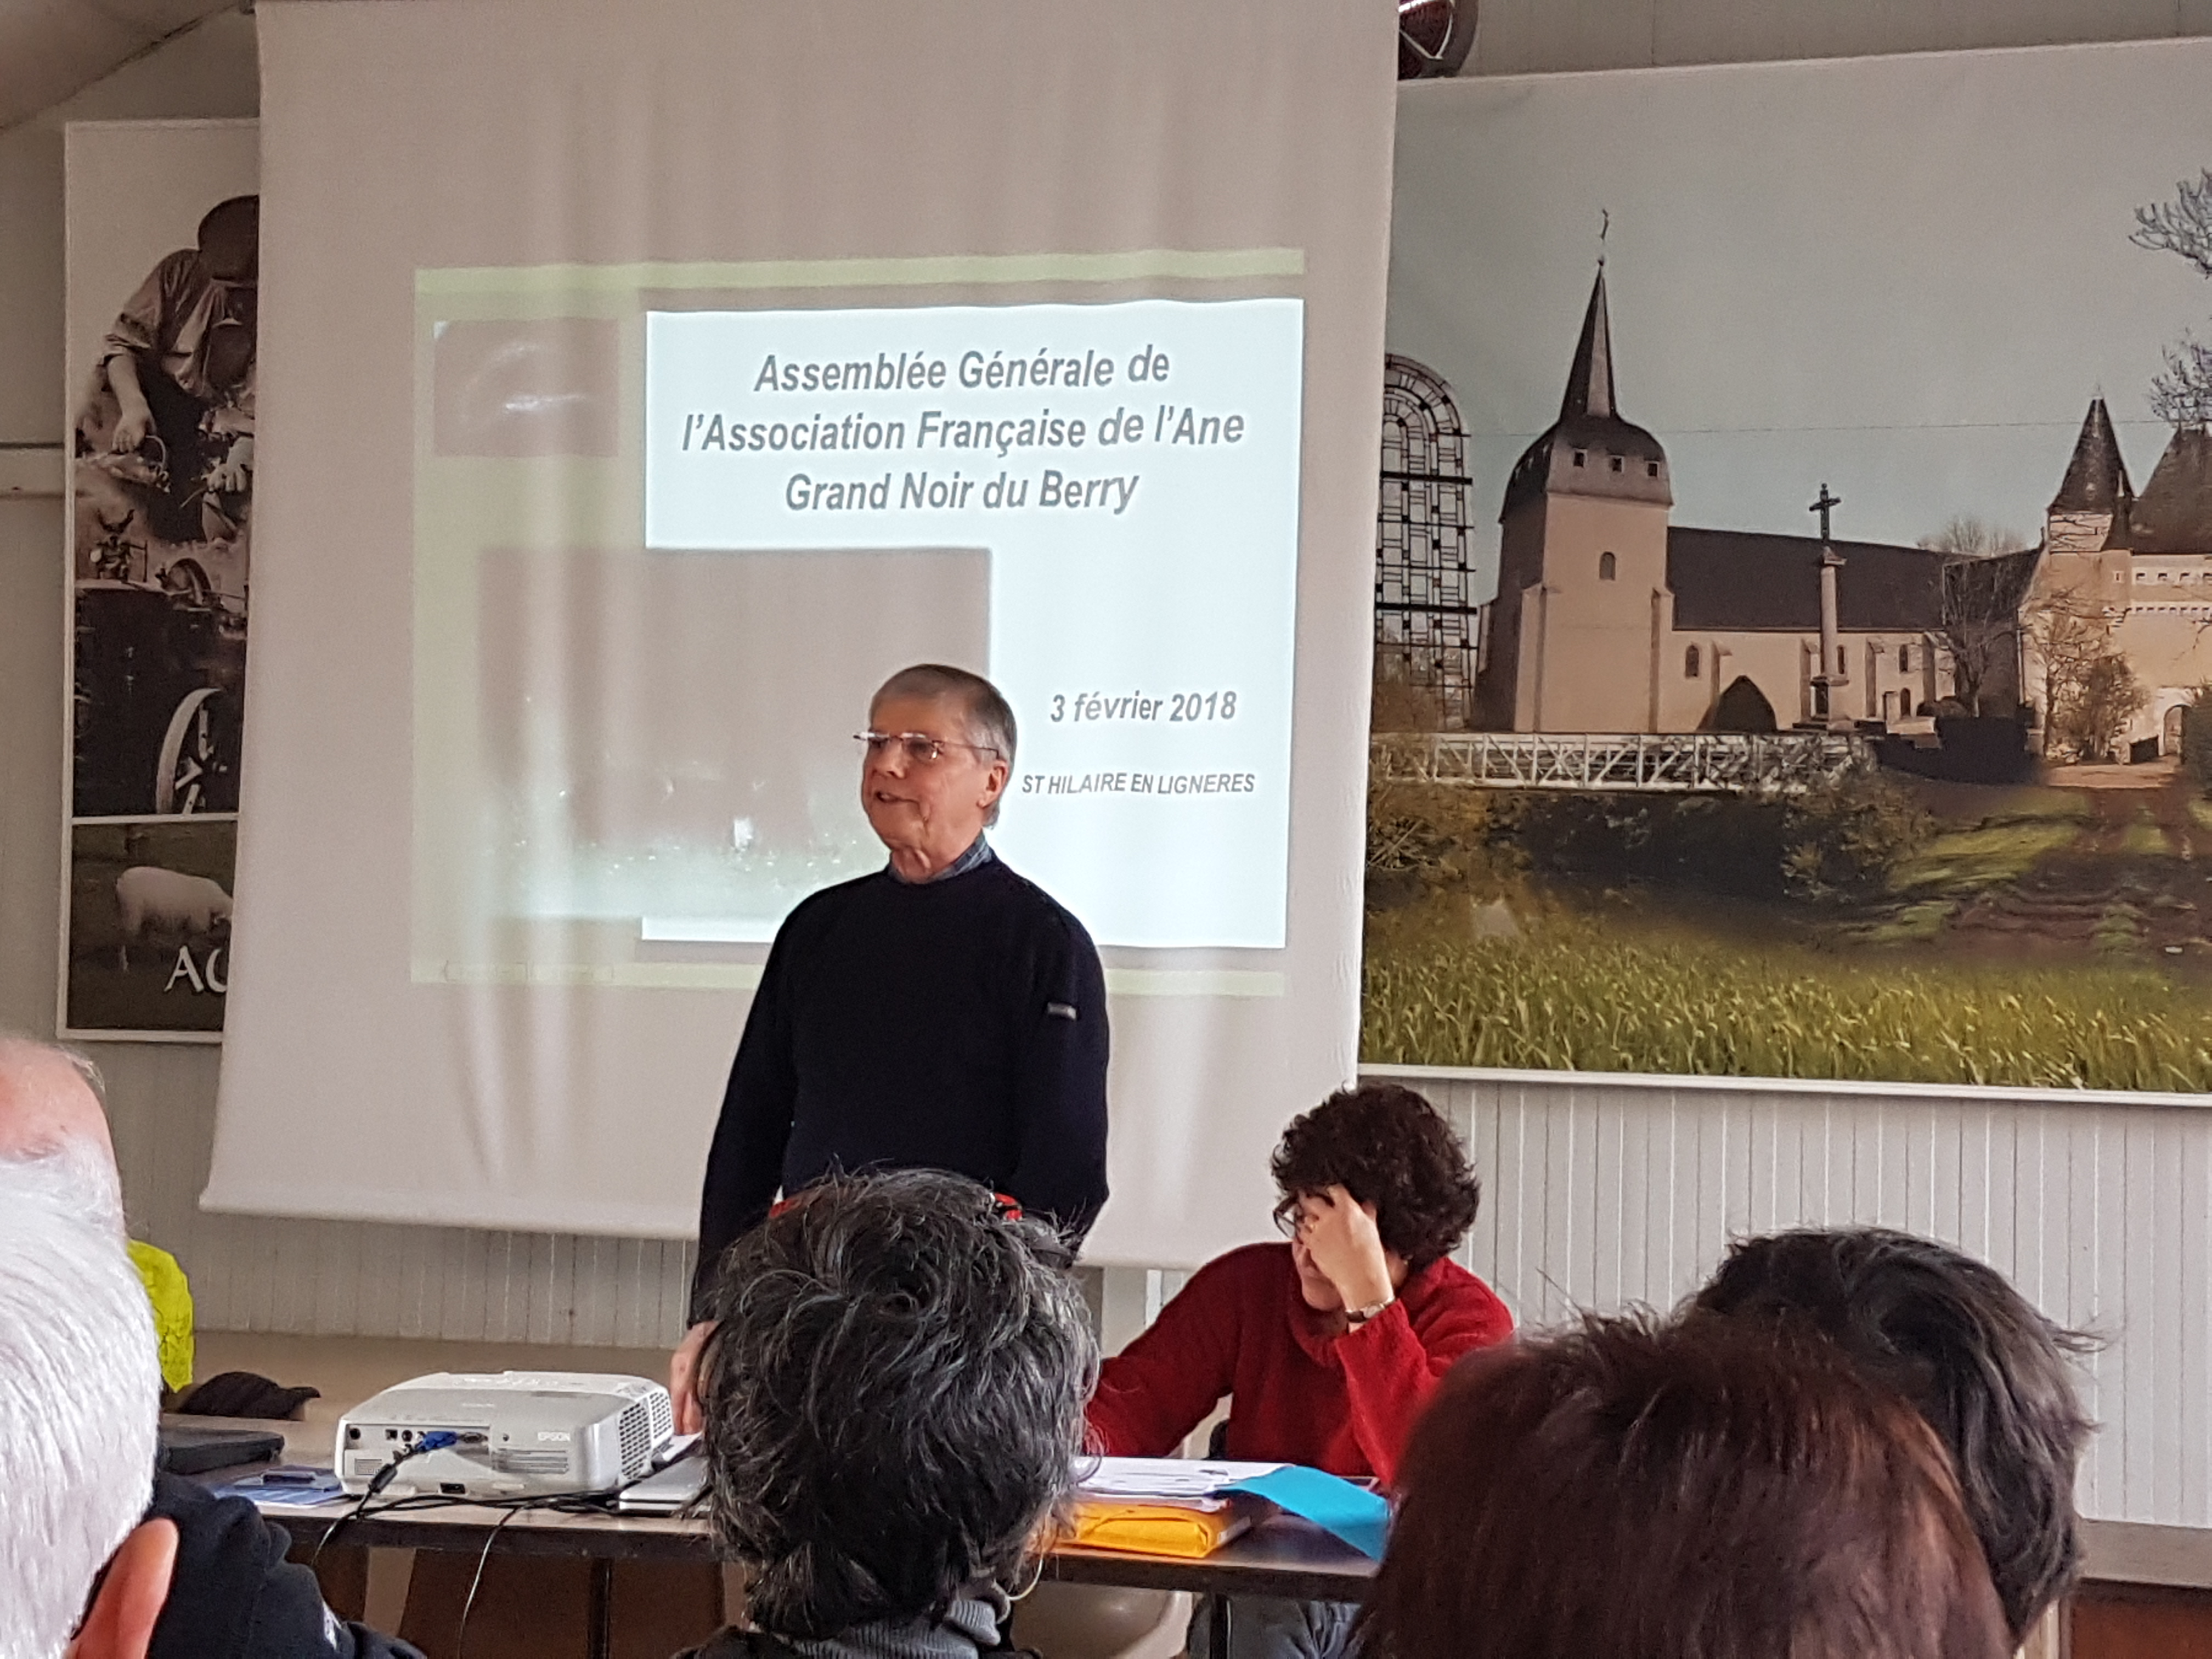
1985, 1368
1330, 1345
892, 1397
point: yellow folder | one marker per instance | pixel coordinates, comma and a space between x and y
1190, 1529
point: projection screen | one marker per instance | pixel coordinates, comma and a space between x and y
640, 385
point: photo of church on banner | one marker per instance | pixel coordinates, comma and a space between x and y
1906, 778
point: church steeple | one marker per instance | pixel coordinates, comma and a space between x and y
2175, 512
1590, 382
2094, 507
1590, 450
2097, 477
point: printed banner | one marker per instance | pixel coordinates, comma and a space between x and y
1795, 595
163, 261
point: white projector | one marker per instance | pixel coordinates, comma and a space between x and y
506, 1434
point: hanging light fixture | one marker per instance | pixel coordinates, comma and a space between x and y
1434, 37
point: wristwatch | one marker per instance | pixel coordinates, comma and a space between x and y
1357, 1316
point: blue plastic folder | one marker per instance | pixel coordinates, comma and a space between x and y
1358, 1516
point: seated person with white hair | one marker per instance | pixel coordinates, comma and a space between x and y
186, 1575
893, 1393
80, 1392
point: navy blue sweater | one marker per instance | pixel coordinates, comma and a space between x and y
956, 1025
234, 1595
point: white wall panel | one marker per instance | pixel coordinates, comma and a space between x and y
1606, 1194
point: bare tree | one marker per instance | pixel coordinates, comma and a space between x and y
2182, 226
1973, 537
1985, 583
1401, 703
2067, 633
2197, 738
2091, 721
2182, 394
2090, 693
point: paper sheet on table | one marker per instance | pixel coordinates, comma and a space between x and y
290, 1486
1360, 1517
1165, 1477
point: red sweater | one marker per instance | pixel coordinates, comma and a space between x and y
1344, 1403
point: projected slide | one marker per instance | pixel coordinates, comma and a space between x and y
635, 713
1131, 471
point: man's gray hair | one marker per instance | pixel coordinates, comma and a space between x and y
80, 1391
989, 716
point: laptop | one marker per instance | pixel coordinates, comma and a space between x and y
671, 1487
188, 1449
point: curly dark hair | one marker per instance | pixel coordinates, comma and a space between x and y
893, 1398
1387, 1146
1986, 1370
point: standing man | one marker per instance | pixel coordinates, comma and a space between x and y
943, 1013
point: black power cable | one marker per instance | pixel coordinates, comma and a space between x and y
437, 1440
483, 1555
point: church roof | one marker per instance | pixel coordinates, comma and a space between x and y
1590, 382
1743, 580
2175, 513
2097, 477
1590, 450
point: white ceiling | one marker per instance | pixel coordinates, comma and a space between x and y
50, 49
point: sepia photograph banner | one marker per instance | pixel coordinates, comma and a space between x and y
163, 265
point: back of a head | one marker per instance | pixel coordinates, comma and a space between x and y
1952, 1335
80, 1389
229, 239
1694, 1491
893, 1399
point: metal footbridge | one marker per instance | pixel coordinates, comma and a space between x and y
1688, 763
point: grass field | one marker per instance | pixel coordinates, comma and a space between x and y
1575, 994
1987, 856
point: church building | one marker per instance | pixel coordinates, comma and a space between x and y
2142, 565
1610, 618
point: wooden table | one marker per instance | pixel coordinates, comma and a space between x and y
1283, 1556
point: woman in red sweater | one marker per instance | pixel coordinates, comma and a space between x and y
1331, 1344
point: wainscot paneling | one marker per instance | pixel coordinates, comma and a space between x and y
1607, 1192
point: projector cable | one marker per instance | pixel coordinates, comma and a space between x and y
437, 1440
483, 1555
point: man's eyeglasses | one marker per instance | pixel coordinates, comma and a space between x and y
919, 747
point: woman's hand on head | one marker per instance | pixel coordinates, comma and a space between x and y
1339, 1234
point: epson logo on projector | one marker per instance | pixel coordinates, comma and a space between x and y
552, 1434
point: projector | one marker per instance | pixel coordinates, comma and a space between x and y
506, 1434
